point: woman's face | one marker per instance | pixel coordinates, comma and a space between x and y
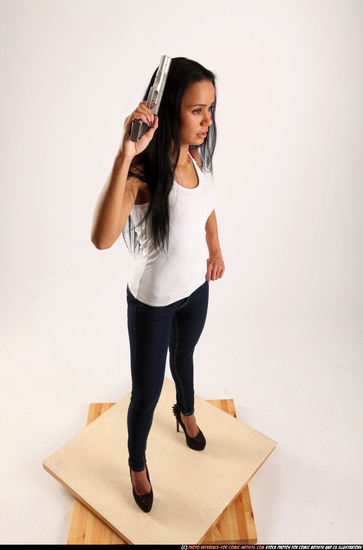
196, 111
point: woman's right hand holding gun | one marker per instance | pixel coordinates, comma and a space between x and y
128, 148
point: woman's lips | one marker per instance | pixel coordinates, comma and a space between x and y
204, 134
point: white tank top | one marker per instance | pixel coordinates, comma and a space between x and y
159, 279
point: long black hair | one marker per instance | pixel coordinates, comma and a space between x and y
156, 165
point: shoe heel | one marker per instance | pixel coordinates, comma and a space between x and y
198, 442
176, 414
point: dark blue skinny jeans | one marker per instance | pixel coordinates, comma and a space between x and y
152, 331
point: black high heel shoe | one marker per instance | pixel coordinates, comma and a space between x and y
198, 442
144, 502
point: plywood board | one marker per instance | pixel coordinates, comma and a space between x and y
191, 489
236, 525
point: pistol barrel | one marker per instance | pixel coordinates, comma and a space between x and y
138, 127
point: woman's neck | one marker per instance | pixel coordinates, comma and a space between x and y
184, 156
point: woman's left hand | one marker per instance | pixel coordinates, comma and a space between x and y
215, 267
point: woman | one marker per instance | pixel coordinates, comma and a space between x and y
158, 196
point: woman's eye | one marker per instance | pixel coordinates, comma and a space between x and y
198, 111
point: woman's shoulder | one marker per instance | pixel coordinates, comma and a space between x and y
136, 171
137, 184
195, 154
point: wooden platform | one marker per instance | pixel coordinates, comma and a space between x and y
235, 525
201, 486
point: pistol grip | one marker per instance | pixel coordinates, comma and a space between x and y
138, 129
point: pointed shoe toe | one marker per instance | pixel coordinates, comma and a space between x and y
144, 502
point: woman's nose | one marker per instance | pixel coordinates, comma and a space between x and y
207, 121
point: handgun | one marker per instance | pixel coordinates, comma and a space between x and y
138, 127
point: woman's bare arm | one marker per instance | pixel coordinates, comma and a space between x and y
119, 193
215, 263
114, 204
